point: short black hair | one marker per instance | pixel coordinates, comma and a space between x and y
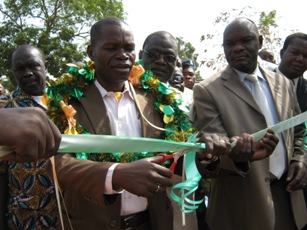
159, 33
96, 28
29, 46
291, 37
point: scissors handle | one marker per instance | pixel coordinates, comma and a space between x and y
172, 168
167, 157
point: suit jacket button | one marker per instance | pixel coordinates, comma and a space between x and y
113, 223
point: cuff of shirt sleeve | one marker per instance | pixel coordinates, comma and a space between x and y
108, 182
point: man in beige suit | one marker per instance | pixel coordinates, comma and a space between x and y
246, 195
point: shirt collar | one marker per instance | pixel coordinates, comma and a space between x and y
103, 91
39, 101
242, 75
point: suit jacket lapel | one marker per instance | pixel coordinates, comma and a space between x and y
232, 82
276, 91
95, 110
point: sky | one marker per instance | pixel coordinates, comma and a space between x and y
190, 19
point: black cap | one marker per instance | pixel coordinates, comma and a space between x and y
188, 63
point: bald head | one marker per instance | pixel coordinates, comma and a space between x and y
241, 43
243, 23
27, 48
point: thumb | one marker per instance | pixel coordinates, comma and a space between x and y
290, 174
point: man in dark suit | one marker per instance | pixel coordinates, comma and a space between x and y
247, 193
293, 65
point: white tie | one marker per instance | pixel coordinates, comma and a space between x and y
278, 157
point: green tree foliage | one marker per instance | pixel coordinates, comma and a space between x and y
187, 51
60, 28
269, 29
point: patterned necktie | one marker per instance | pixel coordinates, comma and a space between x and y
278, 157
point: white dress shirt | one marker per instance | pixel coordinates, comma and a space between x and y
124, 119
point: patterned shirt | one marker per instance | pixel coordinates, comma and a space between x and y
31, 200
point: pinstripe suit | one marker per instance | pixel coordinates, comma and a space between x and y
243, 199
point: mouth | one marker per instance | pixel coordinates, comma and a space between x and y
158, 71
31, 85
297, 67
239, 58
122, 67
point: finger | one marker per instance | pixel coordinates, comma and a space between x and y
244, 148
294, 185
222, 145
55, 137
163, 171
156, 159
164, 182
234, 139
295, 178
25, 156
268, 144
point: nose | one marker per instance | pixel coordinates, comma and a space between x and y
28, 72
300, 57
122, 53
238, 47
160, 58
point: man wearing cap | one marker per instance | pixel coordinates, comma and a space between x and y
188, 70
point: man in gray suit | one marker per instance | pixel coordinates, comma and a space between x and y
247, 193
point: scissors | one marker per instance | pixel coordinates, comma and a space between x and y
177, 155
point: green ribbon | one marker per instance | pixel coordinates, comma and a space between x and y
180, 192
109, 143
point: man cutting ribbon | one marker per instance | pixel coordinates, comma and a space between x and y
243, 184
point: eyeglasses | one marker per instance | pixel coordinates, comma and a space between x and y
156, 56
178, 78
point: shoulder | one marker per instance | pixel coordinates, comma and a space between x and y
267, 65
302, 81
275, 77
217, 79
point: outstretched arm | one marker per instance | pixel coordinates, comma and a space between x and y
27, 135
